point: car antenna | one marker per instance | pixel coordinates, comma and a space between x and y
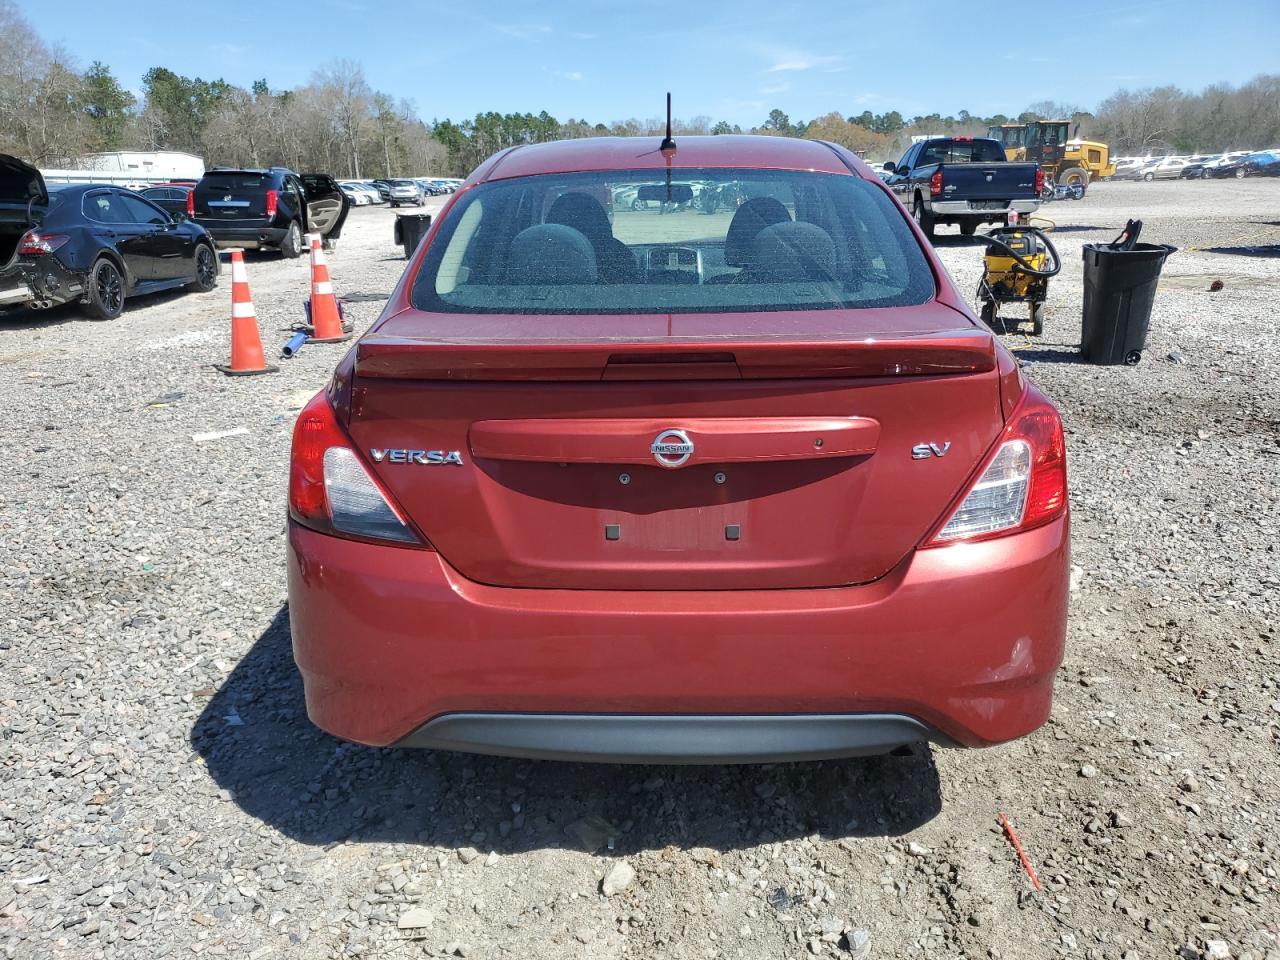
668, 145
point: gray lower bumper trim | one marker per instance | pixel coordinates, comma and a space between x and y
666, 738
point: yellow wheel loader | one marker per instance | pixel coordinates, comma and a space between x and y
1067, 162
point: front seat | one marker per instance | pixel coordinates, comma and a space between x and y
549, 254
748, 220
615, 262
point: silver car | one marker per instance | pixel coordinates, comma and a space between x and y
405, 191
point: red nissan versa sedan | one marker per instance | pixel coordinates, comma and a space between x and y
693, 456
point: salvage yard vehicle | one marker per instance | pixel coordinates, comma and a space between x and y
746, 486
963, 180
1170, 168
406, 191
358, 196
171, 198
269, 209
93, 244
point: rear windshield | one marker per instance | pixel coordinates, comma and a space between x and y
235, 181
628, 242
962, 151
403, 183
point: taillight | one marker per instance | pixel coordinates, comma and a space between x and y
34, 243
191, 203
935, 183
1023, 483
273, 199
1039, 181
331, 489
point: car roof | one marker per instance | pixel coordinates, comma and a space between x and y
642, 153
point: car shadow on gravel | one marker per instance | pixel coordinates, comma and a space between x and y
259, 747
56, 316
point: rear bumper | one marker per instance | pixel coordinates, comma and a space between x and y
957, 208
958, 644
247, 237
664, 738
39, 282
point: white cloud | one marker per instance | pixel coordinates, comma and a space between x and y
775, 88
799, 60
523, 31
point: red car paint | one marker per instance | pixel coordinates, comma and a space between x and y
837, 598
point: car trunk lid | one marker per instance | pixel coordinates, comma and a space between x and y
680, 458
21, 183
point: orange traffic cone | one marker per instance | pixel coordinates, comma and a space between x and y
246, 344
326, 322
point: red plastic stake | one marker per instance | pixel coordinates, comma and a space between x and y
1013, 838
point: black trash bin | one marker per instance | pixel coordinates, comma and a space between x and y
1119, 290
410, 229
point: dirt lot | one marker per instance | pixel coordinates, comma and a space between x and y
162, 793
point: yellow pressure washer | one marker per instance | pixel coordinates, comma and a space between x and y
1016, 269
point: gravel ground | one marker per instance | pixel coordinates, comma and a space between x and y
162, 793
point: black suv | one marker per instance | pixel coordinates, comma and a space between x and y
269, 209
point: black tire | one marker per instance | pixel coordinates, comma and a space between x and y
106, 291
394, 204
1204, 174
968, 227
1240, 173
988, 314
206, 264
1037, 319
291, 245
922, 217
1148, 177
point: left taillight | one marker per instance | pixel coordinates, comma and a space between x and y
1023, 484
331, 489
34, 243
935, 183
1039, 181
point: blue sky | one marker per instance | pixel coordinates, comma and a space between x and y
734, 61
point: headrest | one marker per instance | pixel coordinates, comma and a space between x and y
550, 253
583, 212
789, 252
750, 218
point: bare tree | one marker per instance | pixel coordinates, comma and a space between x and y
343, 82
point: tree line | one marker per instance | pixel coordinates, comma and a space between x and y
52, 113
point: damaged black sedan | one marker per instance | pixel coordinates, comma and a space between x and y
92, 244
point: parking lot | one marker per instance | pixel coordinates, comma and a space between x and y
164, 794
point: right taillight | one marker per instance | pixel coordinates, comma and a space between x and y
1023, 483
35, 244
191, 204
330, 487
273, 201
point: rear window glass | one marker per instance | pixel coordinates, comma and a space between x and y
629, 242
235, 181
953, 151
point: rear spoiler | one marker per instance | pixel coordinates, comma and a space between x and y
409, 358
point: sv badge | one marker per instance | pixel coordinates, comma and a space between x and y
923, 451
